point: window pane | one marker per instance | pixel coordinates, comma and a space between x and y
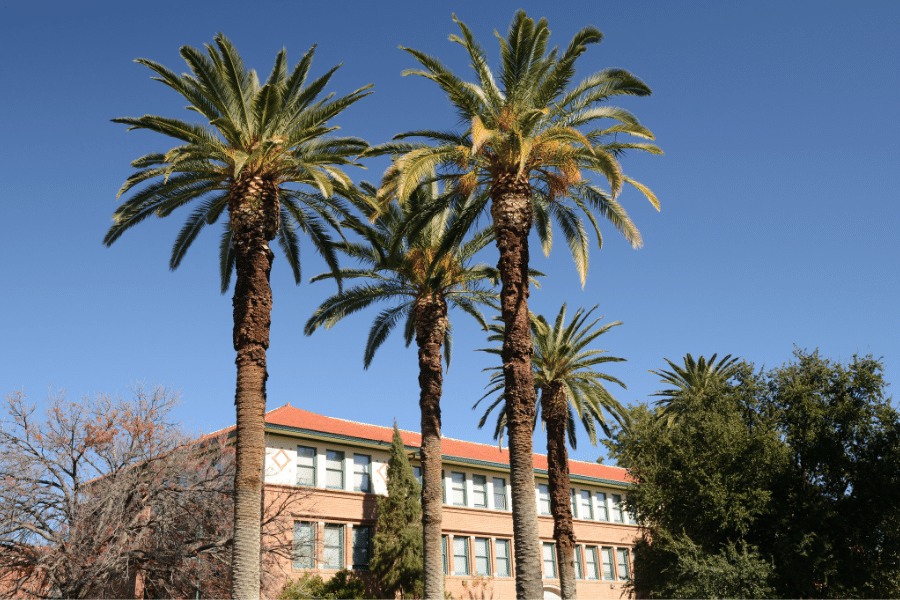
334, 546
444, 551
306, 466
549, 561
590, 559
602, 513
623, 563
304, 545
587, 509
482, 557
502, 550
334, 469
543, 499
362, 480
458, 483
499, 493
578, 563
574, 503
417, 473
606, 554
460, 556
362, 547
617, 508
479, 491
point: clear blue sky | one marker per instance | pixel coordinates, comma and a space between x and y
778, 190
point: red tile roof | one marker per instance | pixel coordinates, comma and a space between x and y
290, 416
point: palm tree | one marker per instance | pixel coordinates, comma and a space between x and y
692, 382
404, 271
258, 139
530, 143
564, 373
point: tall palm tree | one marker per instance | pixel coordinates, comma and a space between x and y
258, 139
564, 373
691, 382
407, 273
532, 141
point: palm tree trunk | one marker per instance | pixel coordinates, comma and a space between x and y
430, 317
254, 211
512, 215
554, 411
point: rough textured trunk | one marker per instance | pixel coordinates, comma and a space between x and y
431, 324
512, 215
554, 411
254, 211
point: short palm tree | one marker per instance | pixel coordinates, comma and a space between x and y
531, 144
421, 288
691, 382
257, 140
564, 373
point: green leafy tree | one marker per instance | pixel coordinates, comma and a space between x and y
564, 373
397, 557
776, 484
691, 381
531, 144
403, 267
344, 584
256, 141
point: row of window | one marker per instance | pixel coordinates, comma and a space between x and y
334, 469
306, 546
614, 562
590, 506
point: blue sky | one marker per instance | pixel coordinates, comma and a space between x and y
778, 191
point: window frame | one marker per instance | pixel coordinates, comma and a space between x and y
367, 474
328, 469
368, 549
592, 552
313, 467
465, 545
620, 554
579, 572
486, 557
475, 491
339, 527
607, 552
573, 502
506, 558
617, 508
602, 506
494, 481
543, 496
552, 546
454, 490
311, 543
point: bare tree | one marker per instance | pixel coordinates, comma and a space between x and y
110, 498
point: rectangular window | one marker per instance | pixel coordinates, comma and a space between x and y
587, 508
549, 560
499, 493
578, 574
444, 552
458, 488
629, 518
573, 502
606, 555
443, 488
617, 515
460, 555
304, 545
334, 470
334, 546
543, 499
602, 512
481, 549
479, 491
362, 547
622, 555
501, 547
590, 562
306, 466
362, 473
417, 473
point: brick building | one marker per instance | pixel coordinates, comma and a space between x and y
343, 463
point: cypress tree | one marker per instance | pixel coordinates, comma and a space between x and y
397, 556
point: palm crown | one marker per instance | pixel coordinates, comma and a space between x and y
530, 128
691, 382
274, 132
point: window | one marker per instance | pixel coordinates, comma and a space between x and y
443, 488
460, 555
590, 561
602, 512
549, 560
458, 488
334, 470
482, 556
304, 545
334, 546
479, 491
306, 466
362, 473
499, 493
362, 547
417, 473
501, 548
617, 516
606, 554
543, 499
622, 555
444, 552
573, 502
629, 518
578, 574
587, 509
